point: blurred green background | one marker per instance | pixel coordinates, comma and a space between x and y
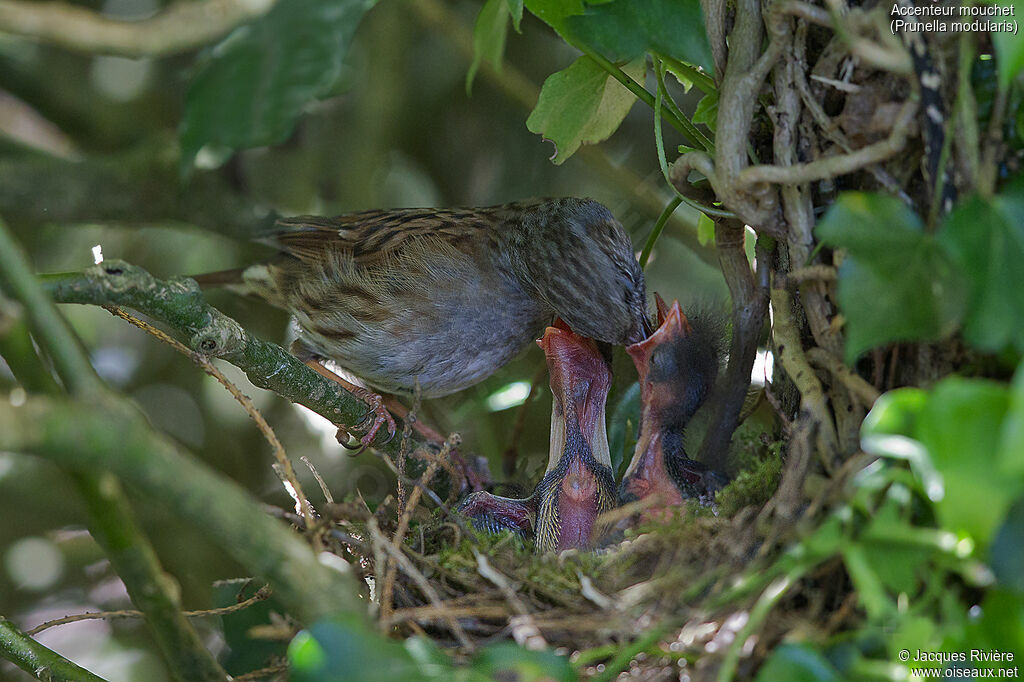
401, 131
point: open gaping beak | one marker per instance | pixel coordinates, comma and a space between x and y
578, 485
676, 370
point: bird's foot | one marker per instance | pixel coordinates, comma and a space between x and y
374, 403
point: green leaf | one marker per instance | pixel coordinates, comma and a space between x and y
866, 580
705, 230
707, 110
554, 13
258, 80
961, 427
344, 649
626, 29
582, 105
508, 661
797, 663
489, 36
902, 559
515, 9
1009, 46
986, 239
896, 283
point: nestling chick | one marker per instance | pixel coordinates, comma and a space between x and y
447, 296
677, 365
578, 485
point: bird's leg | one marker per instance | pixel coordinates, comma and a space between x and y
473, 478
373, 400
396, 408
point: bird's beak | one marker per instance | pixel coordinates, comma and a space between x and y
648, 472
578, 485
676, 369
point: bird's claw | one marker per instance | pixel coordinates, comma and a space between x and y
375, 416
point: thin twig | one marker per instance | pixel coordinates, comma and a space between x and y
179, 27
524, 630
261, 594
287, 472
381, 544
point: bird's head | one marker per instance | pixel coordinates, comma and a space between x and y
578, 485
580, 261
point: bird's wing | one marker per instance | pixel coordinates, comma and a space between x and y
376, 234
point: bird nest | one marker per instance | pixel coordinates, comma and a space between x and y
663, 598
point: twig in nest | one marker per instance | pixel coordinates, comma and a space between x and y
284, 465
445, 507
381, 544
407, 507
320, 481
260, 595
524, 630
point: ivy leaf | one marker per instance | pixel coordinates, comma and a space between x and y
986, 239
343, 648
1009, 46
555, 13
896, 283
582, 105
515, 9
707, 110
961, 427
489, 35
257, 81
626, 29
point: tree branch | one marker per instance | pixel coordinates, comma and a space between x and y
179, 27
110, 519
36, 659
110, 434
179, 303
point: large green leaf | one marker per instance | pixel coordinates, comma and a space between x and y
961, 428
896, 283
986, 239
955, 438
626, 29
582, 105
257, 81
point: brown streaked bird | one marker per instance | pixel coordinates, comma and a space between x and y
578, 485
678, 365
444, 297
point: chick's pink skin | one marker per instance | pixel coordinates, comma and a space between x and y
579, 379
648, 474
579, 376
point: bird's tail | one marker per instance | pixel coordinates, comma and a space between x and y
221, 278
